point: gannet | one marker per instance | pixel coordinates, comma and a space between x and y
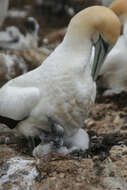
63, 88
12, 38
113, 75
3, 10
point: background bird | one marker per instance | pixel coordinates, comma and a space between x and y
12, 38
17, 62
62, 88
11, 66
3, 10
113, 72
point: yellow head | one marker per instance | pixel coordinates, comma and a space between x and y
95, 25
119, 7
96, 19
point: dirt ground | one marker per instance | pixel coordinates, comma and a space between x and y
102, 167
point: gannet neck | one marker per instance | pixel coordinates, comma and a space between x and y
78, 45
80, 56
71, 56
89, 23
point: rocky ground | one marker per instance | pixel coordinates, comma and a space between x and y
102, 167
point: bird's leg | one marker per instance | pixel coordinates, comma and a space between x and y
57, 133
50, 141
78, 142
31, 143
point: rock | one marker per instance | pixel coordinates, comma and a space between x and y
19, 173
115, 169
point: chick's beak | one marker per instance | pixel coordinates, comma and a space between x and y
101, 50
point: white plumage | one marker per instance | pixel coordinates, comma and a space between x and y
55, 87
62, 88
113, 75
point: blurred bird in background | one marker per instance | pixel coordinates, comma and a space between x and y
113, 74
3, 10
12, 38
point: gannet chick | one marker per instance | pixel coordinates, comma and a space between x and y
14, 39
32, 29
3, 10
51, 141
113, 73
63, 88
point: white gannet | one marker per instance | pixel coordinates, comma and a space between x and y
3, 10
113, 75
12, 38
62, 88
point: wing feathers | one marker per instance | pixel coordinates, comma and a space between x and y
17, 103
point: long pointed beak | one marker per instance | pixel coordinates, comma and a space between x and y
101, 50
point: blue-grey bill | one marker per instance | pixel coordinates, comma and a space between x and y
101, 50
